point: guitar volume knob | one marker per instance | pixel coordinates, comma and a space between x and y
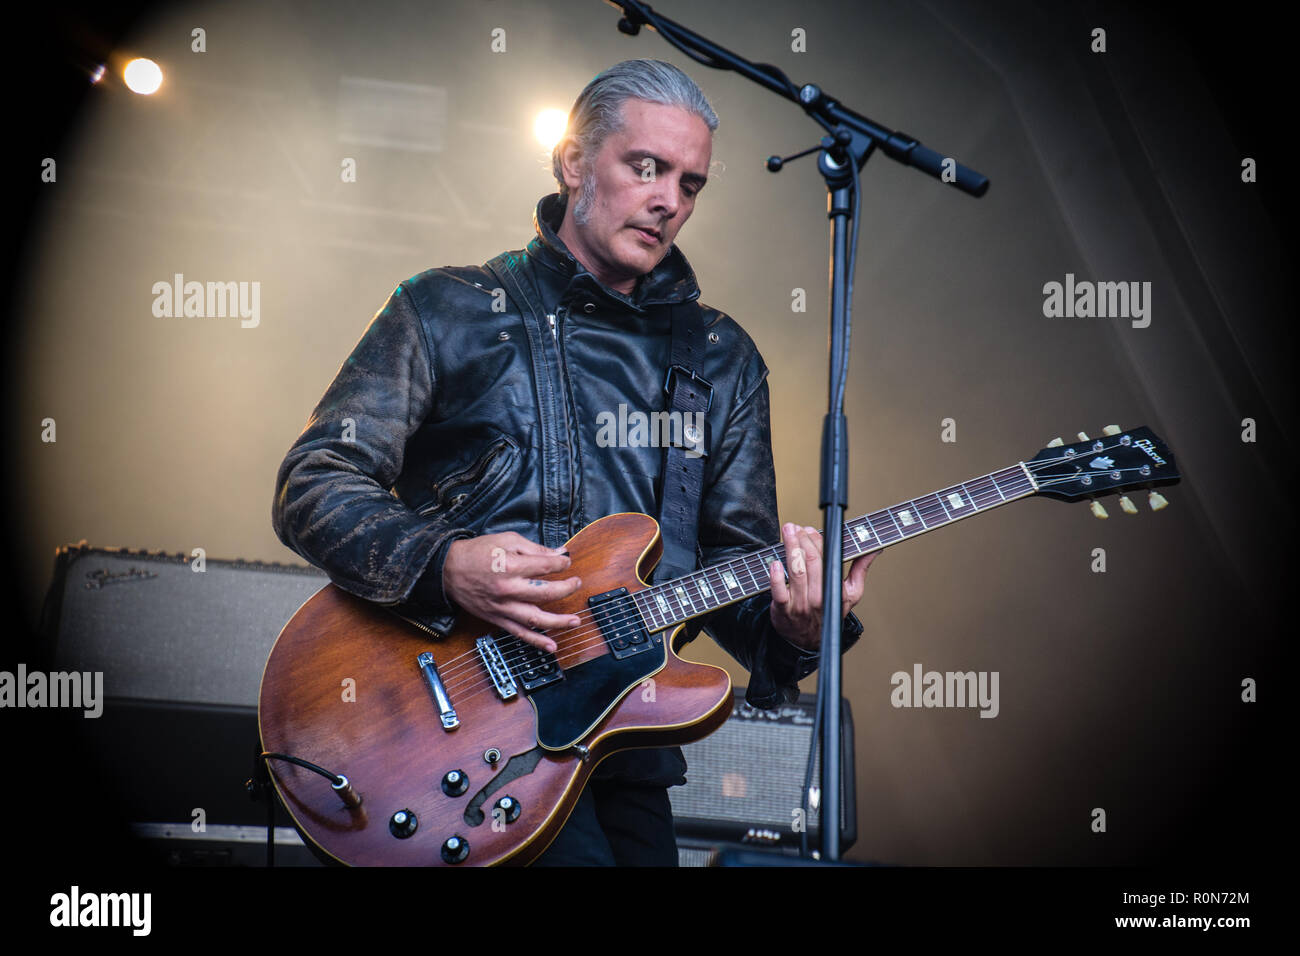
510, 808
403, 824
455, 850
454, 783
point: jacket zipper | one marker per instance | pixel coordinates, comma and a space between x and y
424, 627
468, 477
564, 403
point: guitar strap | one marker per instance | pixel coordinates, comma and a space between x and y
681, 479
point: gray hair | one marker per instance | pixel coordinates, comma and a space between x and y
598, 111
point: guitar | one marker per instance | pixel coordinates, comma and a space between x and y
473, 749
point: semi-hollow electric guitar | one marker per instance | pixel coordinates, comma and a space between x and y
473, 749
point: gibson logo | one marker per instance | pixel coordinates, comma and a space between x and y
1146, 446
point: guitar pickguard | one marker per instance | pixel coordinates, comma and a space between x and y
568, 710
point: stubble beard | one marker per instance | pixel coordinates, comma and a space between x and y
586, 198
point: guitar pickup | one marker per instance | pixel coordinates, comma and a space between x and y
534, 666
446, 712
620, 624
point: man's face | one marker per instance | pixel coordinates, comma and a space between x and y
643, 180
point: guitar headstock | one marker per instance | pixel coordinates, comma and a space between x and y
1117, 462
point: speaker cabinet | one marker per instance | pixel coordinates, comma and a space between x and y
181, 653
744, 782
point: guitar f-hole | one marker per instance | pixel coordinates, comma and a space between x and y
520, 765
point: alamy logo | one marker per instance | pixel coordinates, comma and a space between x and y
212, 300
38, 689
655, 430
946, 689
1103, 300
102, 909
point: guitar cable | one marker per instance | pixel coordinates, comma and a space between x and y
261, 779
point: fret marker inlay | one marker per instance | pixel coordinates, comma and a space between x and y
701, 592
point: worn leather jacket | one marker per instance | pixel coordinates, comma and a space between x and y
470, 407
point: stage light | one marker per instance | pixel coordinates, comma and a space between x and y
142, 76
549, 126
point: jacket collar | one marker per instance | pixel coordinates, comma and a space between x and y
671, 281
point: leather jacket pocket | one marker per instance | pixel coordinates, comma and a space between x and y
462, 496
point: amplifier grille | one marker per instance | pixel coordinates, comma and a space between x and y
159, 630
748, 776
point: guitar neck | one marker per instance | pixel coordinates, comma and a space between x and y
673, 602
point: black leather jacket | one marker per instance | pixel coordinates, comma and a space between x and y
461, 413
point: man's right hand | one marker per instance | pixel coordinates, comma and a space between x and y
493, 578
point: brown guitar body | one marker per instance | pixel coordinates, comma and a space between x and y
342, 689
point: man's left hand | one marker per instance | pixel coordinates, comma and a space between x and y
797, 606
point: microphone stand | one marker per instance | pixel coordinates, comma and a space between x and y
852, 139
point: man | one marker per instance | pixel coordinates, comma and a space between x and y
476, 402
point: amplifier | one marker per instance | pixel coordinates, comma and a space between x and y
159, 630
744, 781
182, 653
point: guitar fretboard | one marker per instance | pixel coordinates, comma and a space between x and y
673, 602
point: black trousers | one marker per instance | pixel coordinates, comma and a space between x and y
616, 824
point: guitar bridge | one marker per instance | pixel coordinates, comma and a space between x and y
494, 663
511, 662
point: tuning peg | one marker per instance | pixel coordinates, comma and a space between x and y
1055, 443
1083, 436
1126, 504
1156, 500
1098, 510
1111, 430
